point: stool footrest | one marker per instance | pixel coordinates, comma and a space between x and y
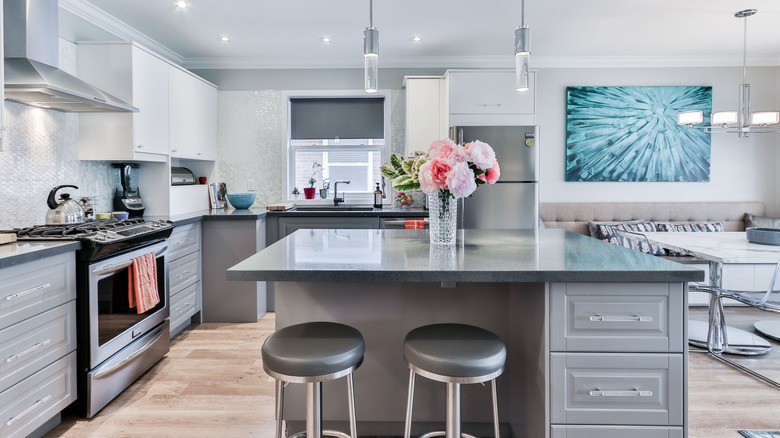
331, 433
443, 433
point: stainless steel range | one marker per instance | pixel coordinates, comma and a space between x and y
116, 345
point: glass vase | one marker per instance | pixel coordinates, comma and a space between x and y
442, 218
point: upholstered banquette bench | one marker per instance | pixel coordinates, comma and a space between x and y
574, 216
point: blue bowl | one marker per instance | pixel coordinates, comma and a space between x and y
241, 200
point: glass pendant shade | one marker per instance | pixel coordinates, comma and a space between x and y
690, 117
522, 58
765, 118
371, 60
724, 118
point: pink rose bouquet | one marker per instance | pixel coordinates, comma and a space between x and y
447, 166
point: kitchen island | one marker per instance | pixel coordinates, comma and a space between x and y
595, 332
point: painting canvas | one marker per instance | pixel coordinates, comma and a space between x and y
631, 134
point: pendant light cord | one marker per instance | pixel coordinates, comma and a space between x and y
371, 14
522, 13
744, 53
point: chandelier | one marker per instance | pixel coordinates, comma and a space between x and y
741, 121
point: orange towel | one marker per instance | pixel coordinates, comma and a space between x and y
414, 224
142, 283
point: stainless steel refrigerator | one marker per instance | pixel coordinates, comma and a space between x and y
513, 202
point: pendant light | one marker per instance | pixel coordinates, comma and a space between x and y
741, 121
522, 52
371, 54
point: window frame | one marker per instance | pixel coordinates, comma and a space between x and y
289, 149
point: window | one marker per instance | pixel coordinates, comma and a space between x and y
337, 139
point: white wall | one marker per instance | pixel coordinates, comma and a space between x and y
741, 169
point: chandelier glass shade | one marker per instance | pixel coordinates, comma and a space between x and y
742, 121
522, 52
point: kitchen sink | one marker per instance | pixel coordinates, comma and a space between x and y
329, 208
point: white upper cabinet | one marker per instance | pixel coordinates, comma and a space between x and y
138, 77
426, 112
489, 97
193, 116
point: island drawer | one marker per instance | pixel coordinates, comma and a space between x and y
32, 402
559, 431
184, 305
184, 240
32, 344
616, 389
183, 272
35, 287
612, 317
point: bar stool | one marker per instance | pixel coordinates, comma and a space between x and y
454, 354
312, 353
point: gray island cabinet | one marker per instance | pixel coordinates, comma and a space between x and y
595, 332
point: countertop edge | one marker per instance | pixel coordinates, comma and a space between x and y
38, 251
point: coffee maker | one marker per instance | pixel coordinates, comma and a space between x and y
127, 196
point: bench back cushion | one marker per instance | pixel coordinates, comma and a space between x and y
574, 216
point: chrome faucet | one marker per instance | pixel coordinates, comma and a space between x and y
336, 199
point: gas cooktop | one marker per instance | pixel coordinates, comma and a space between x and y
100, 237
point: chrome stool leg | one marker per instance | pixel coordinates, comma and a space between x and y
314, 410
496, 431
352, 417
279, 433
409, 403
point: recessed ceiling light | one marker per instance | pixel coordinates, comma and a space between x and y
416, 38
181, 4
326, 39
224, 38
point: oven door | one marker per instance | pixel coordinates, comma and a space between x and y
112, 323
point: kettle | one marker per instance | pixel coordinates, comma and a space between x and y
66, 211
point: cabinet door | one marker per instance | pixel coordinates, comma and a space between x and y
193, 116
489, 92
426, 115
150, 96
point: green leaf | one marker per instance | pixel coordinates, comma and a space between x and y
404, 183
389, 172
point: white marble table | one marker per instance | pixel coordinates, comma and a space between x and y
734, 264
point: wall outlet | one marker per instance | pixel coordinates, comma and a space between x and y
250, 185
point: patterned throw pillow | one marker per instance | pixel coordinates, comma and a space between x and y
716, 227
694, 227
624, 234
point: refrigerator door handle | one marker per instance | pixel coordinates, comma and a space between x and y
456, 134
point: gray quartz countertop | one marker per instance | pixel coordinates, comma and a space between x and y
479, 256
22, 252
349, 211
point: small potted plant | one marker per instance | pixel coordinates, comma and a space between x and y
308, 192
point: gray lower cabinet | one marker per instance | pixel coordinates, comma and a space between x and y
225, 243
618, 363
184, 276
279, 227
37, 344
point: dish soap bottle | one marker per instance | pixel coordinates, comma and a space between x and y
377, 197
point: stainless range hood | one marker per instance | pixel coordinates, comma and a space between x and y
31, 52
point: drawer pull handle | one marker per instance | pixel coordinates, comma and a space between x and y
617, 318
28, 291
634, 393
486, 105
28, 410
27, 351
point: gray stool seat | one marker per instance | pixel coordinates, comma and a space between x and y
312, 353
311, 350
455, 351
455, 354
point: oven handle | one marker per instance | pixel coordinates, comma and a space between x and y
126, 361
108, 269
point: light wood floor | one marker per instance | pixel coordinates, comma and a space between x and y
212, 384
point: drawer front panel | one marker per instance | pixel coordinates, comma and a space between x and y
637, 317
32, 344
184, 305
27, 405
184, 240
183, 272
32, 288
615, 432
616, 389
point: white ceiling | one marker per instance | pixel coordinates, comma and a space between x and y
456, 33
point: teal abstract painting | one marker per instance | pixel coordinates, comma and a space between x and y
631, 134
